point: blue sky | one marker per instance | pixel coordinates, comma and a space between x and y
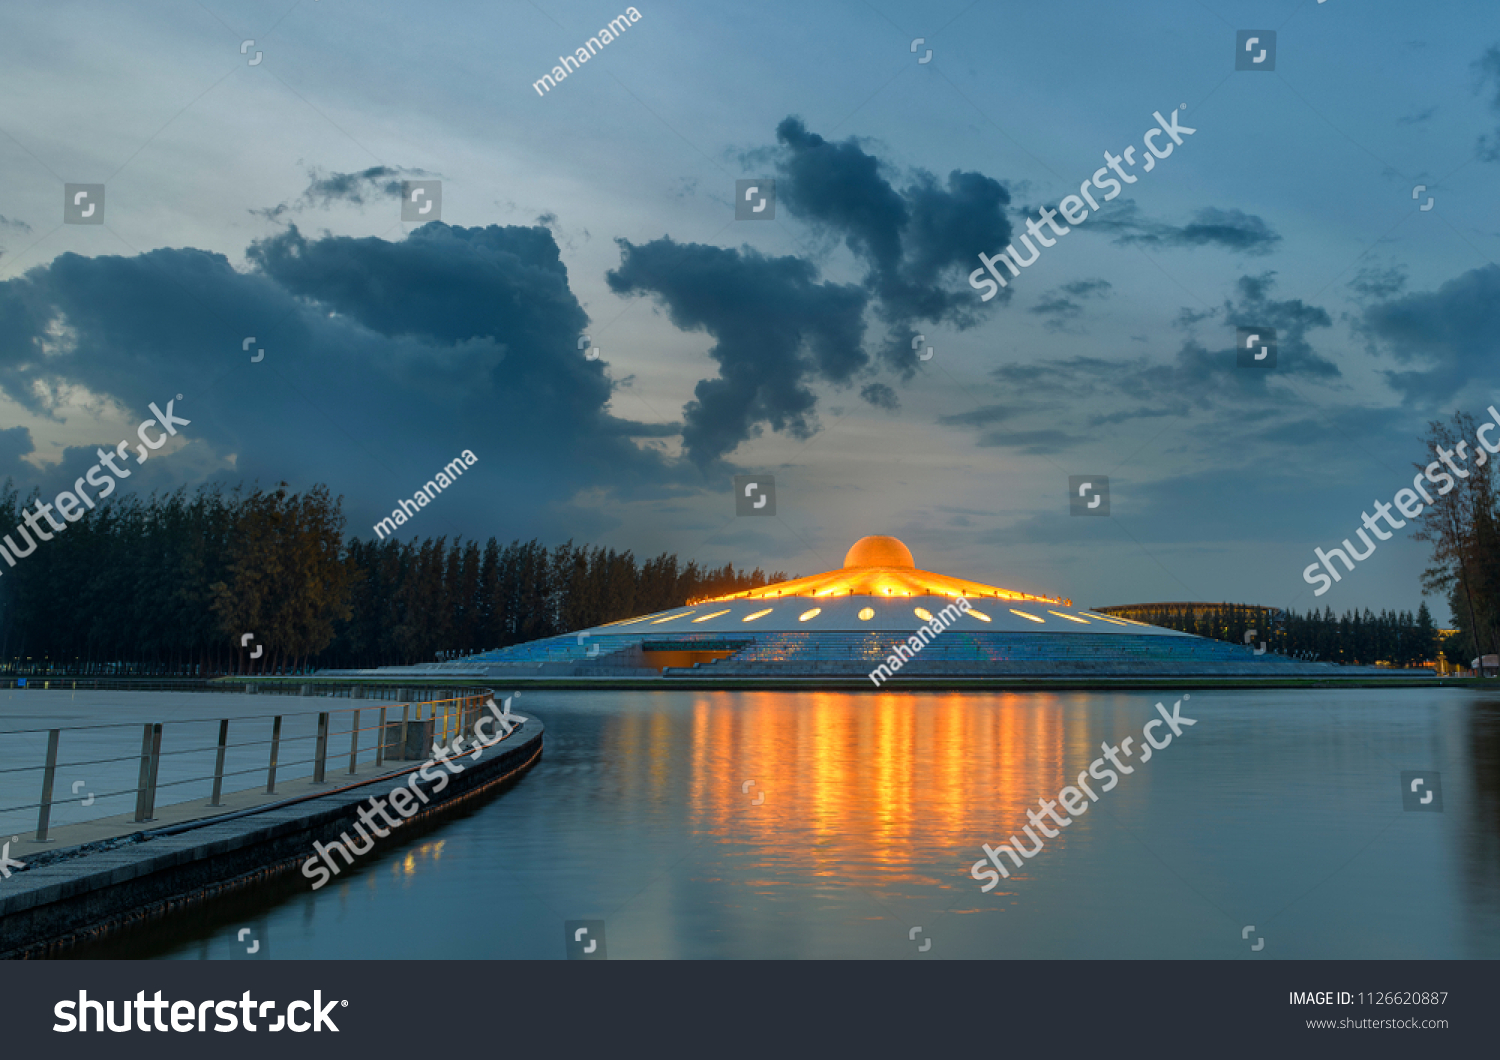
264, 201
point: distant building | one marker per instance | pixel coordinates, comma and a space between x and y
1197, 609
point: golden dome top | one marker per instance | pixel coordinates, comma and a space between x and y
880, 566
879, 551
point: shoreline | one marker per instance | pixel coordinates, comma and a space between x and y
844, 683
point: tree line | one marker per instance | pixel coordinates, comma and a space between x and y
174, 584
1401, 639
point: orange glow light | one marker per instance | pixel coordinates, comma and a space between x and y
1070, 618
882, 566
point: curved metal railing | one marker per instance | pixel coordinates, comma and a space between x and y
168, 749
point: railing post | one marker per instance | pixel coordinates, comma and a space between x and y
405, 708
145, 798
145, 775
155, 765
45, 813
219, 762
320, 757
275, 743
354, 742
380, 743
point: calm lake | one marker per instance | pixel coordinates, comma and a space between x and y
769, 825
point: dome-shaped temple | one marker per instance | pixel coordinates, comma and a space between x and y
874, 616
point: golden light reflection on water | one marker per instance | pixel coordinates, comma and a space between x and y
888, 789
432, 850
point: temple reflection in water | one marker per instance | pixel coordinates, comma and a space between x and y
864, 787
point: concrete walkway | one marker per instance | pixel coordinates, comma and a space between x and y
49, 906
99, 755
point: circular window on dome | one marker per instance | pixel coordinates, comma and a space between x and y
922, 613
866, 614
814, 613
978, 614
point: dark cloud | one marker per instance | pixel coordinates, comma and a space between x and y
1033, 442
15, 443
377, 182
1488, 68
914, 241
983, 416
1232, 230
1379, 283
1292, 319
1088, 288
1057, 310
1198, 381
9, 226
991, 436
383, 361
776, 330
1125, 415
881, 396
1058, 307
1448, 334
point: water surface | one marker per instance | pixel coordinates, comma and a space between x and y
767, 825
